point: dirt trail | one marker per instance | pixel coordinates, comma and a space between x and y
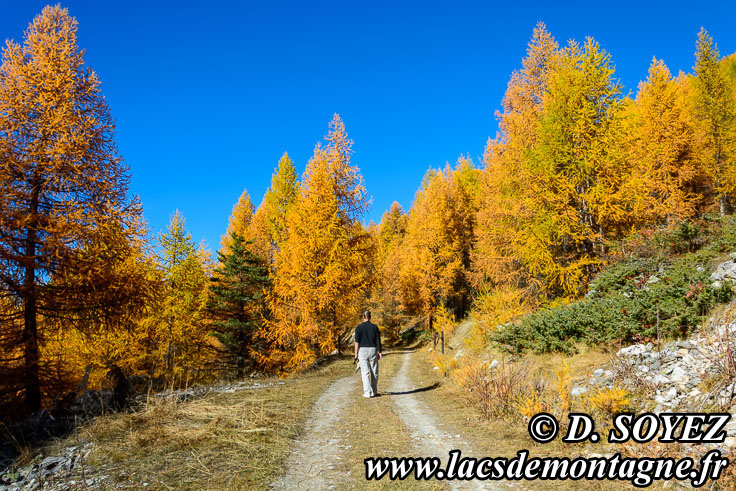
311, 462
428, 438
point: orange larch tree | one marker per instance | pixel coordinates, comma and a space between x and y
714, 112
320, 280
660, 138
61, 179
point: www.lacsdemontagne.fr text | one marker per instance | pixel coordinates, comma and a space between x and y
640, 472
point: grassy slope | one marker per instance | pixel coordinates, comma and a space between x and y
237, 440
491, 437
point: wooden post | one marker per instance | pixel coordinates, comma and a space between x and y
442, 338
658, 326
434, 334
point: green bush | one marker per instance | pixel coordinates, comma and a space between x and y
628, 299
623, 277
687, 237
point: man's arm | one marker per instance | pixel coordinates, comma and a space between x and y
358, 339
378, 343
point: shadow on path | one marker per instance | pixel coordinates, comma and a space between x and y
398, 352
414, 391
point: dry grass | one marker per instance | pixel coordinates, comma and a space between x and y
499, 437
237, 440
503, 437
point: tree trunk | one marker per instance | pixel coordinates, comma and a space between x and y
724, 204
32, 383
333, 314
167, 358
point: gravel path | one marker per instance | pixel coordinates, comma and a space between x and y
428, 439
311, 462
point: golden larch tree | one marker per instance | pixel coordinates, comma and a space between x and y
507, 178
320, 278
240, 220
279, 198
61, 179
660, 139
714, 111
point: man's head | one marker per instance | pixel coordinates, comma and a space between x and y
367, 315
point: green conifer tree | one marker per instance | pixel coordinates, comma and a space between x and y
237, 304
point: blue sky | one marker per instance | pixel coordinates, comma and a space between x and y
208, 95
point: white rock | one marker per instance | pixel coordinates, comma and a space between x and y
660, 379
634, 349
493, 364
578, 391
678, 375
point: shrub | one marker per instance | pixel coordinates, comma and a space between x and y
687, 237
630, 301
610, 401
562, 387
529, 405
498, 305
444, 321
558, 329
493, 392
445, 363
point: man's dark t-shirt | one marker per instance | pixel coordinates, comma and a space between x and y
368, 336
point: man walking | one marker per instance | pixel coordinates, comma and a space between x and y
368, 352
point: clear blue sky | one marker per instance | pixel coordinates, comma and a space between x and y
208, 95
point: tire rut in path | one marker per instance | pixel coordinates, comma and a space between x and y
310, 463
428, 439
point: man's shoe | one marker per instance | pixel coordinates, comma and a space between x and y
364, 395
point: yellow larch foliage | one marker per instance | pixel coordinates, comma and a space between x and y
609, 401
433, 262
496, 305
262, 244
660, 137
714, 112
439, 239
508, 178
386, 297
562, 386
530, 404
279, 198
240, 220
321, 268
61, 179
